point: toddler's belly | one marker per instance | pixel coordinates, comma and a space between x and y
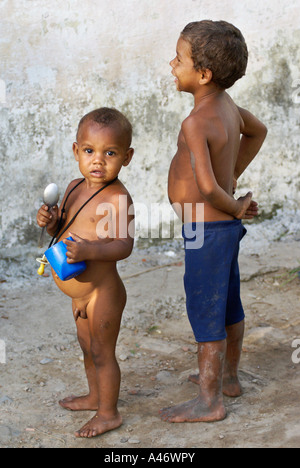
84, 284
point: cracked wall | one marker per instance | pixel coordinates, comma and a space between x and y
60, 60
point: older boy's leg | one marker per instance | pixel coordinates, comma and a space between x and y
104, 317
234, 341
208, 406
235, 335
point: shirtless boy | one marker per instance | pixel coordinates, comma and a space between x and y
217, 142
98, 295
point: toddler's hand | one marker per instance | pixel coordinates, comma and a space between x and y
47, 217
77, 251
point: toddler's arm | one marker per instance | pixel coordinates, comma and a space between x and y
253, 133
48, 217
116, 246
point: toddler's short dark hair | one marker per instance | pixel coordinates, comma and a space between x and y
109, 116
220, 47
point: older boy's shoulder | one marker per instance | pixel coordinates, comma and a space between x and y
194, 122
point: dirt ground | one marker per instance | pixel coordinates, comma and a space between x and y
156, 351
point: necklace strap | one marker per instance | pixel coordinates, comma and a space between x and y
56, 239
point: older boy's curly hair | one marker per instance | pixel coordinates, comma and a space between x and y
220, 47
107, 117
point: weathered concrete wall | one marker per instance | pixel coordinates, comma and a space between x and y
62, 59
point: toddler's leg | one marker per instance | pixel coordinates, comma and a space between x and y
87, 402
104, 317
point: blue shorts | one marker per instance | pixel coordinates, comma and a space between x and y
212, 279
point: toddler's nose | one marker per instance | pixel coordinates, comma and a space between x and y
98, 158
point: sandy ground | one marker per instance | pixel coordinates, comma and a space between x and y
156, 351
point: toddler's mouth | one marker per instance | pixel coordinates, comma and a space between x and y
97, 173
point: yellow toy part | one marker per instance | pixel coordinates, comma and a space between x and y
41, 269
43, 261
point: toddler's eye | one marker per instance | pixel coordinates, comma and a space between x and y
88, 150
110, 153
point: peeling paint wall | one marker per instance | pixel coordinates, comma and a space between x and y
60, 60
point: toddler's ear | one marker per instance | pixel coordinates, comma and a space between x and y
75, 150
128, 157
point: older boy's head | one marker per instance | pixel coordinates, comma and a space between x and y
109, 117
220, 47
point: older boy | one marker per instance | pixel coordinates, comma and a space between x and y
211, 156
98, 295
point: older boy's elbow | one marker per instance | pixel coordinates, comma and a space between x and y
208, 192
266, 131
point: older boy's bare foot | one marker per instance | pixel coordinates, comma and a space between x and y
194, 411
81, 403
99, 425
231, 385
194, 378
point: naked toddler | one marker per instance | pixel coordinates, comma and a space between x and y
98, 295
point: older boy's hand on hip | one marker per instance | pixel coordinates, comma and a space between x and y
247, 208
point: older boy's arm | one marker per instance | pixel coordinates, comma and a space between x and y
204, 174
253, 133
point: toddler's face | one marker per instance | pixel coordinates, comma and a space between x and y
101, 151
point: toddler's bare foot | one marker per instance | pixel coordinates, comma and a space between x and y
99, 425
81, 403
231, 385
194, 411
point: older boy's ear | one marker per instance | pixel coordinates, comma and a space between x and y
205, 76
75, 150
128, 157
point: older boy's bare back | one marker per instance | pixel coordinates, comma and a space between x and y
220, 123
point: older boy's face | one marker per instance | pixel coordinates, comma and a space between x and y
101, 152
186, 76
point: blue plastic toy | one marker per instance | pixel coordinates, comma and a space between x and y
57, 258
